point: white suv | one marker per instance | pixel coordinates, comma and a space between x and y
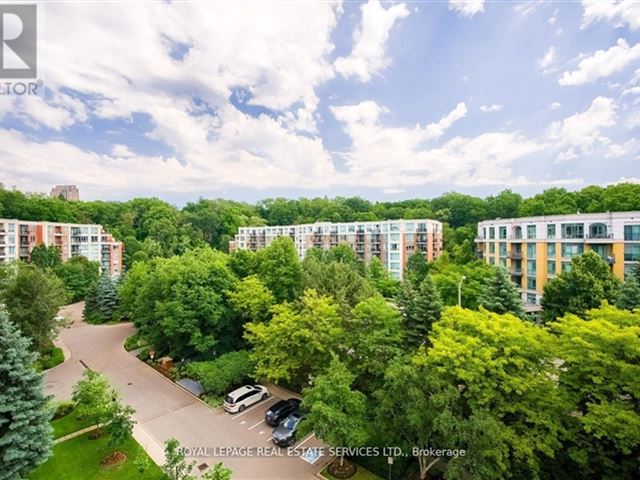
244, 397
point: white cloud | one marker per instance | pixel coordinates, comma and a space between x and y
548, 59
581, 133
467, 8
554, 105
496, 107
525, 8
631, 91
602, 63
553, 19
368, 54
621, 11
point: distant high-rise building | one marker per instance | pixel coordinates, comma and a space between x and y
19, 237
392, 241
68, 192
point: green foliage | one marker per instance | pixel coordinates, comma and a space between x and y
179, 303
601, 373
298, 342
585, 286
629, 297
420, 306
447, 275
220, 375
218, 472
78, 274
175, 465
280, 270
385, 284
102, 301
417, 267
25, 434
501, 295
119, 423
45, 257
33, 299
93, 397
336, 412
49, 358
251, 300
243, 263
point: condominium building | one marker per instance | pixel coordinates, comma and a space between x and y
392, 241
19, 237
535, 249
68, 192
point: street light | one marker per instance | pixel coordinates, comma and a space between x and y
462, 279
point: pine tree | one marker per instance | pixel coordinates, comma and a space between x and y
629, 294
91, 303
102, 300
25, 434
501, 295
420, 308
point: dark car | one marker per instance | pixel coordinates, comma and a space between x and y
284, 435
280, 410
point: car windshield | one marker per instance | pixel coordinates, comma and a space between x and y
228, 399
291, 422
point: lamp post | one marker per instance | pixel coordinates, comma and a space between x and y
462, 279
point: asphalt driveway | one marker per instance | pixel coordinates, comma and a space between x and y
164, 410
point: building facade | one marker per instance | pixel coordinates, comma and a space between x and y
68, 192
535, 249
392, 241
19, 237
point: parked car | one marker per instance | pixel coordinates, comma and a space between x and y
244, 397
284, 435
281, 410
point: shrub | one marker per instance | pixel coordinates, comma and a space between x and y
131, 343
62, 408
219, 375
49, 358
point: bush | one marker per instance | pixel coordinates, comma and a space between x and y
62, 408
49, 358
131, 343
219, 375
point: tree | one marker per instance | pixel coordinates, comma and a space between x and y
93, 397
386, 285
420, 307
45, 257
296, 344
501, 295
629, 297
447, 276
78, 274
218, 472
33, 299
25, 434
601, 374
336, 411
175, 465
588, 283
251, 300
119, 423
279, 268
373, 333
102, 301
417, 267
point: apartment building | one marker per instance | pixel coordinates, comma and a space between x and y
393, 241
535, 249
19, 237
68, 192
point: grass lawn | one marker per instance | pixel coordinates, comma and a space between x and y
361, 474
49, 359
68, 424
79, 459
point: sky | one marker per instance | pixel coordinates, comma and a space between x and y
385, 100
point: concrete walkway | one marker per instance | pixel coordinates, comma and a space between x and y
76, 434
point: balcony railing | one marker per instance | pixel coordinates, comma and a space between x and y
515, 255
516, 271
598, 236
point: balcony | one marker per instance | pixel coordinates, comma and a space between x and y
516, 272
599, 237
515, 255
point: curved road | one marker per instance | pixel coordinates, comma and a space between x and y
164, 410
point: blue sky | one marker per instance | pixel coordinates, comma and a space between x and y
387, 100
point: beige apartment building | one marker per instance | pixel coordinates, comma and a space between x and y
535, 249
68, 192
19, 237
392, 241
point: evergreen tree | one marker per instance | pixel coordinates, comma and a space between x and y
91, 302
629, 294
501, 295
421, 307
417, 267
25, 434
102, 301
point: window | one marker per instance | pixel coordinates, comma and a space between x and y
492, 232
395, 237
598, 230
492, 247
395, 257
531, 299
503, 262
531, 283
571, 249
517, 232
503, 232
551, 250
551, 267
631, 232
531, 231
566, 266
503, 249
632, 252
395, 246
531, 266
394, 227
551, 232
394, 266
572, 230
531, 250
408, 227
